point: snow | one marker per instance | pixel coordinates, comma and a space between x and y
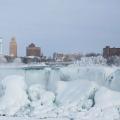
2, 59
17, 61
89, 92
27, 118
107, 98
74, 91
14, 95
85, 61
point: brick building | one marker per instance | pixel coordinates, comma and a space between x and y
108, 52
32, 50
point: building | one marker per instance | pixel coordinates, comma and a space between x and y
1, 46
60, 57
32, 50
13, 47
108, 52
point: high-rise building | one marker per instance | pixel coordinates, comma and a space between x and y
1, 46
32, 50
13, 47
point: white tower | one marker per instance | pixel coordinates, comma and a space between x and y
1, 46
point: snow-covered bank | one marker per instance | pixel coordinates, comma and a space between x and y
73, 92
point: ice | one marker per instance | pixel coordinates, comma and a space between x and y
105, 98
27, 118
42, 102
2, 59
75, 91
36, 93
37, 77
14, 95
89, 92
17, 61
53, 79
85, 61
113, 80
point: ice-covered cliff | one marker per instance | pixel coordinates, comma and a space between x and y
73, 92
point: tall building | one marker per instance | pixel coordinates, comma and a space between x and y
13, 47
1, 46
32, 50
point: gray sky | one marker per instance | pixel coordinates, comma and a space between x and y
61, 25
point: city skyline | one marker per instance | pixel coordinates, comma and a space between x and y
13, 49
61, 26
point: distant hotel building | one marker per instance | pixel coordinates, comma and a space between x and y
108, 52
13, 47
32, 50
1, 46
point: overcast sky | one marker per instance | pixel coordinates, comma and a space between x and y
61, 25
